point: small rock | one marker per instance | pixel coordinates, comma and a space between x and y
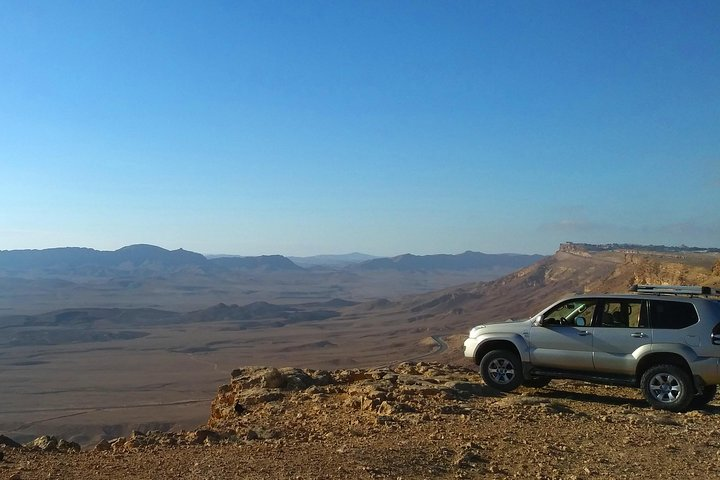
65, 446
204, 436
296, 379
273, 379
118, 444
103, 446
386, 408
322, 378
45, 443
469, 458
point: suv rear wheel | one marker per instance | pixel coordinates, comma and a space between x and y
501, 370
667, 387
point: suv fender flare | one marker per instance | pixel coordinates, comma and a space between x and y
673, 354
511, 341
685, 353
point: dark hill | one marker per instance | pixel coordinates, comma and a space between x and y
137, 255
252, 311
88, 317
259, 314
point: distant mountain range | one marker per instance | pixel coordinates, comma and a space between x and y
69, 258
150, 258
133, 258
36, 281
464, 261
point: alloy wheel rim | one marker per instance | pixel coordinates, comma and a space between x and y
665, 388
501, 370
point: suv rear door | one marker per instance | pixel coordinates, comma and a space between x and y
621, 327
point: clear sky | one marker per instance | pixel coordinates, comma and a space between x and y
385, 127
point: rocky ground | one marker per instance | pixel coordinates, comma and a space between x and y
412, 421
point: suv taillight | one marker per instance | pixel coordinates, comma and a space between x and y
715, 335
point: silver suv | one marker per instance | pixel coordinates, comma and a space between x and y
663, 339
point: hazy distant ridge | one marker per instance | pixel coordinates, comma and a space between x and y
266, 262
332, 260
464, 261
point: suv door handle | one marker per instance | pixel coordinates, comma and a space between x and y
638, 335
584, 333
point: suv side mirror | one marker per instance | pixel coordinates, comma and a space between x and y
579, 321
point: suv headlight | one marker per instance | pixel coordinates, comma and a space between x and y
475, 332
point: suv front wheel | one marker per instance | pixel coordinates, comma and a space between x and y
667, 387
501, 370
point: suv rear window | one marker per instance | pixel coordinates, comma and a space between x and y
674, 315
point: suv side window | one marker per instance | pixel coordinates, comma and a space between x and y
577, 312
622, 314
673, 315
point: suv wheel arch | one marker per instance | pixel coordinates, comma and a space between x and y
488, 347
664, 358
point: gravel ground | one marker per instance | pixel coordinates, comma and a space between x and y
568, 430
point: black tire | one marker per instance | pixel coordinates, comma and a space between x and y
501, 370
702, 399
667, 387
536, 382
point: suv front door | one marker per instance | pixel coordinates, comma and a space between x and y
563, 337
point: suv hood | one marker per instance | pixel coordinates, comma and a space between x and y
506, 326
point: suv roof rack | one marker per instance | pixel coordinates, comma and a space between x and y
675, 290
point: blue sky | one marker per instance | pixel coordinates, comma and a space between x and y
310, 127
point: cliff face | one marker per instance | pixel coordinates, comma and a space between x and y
574, 249
573, 269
